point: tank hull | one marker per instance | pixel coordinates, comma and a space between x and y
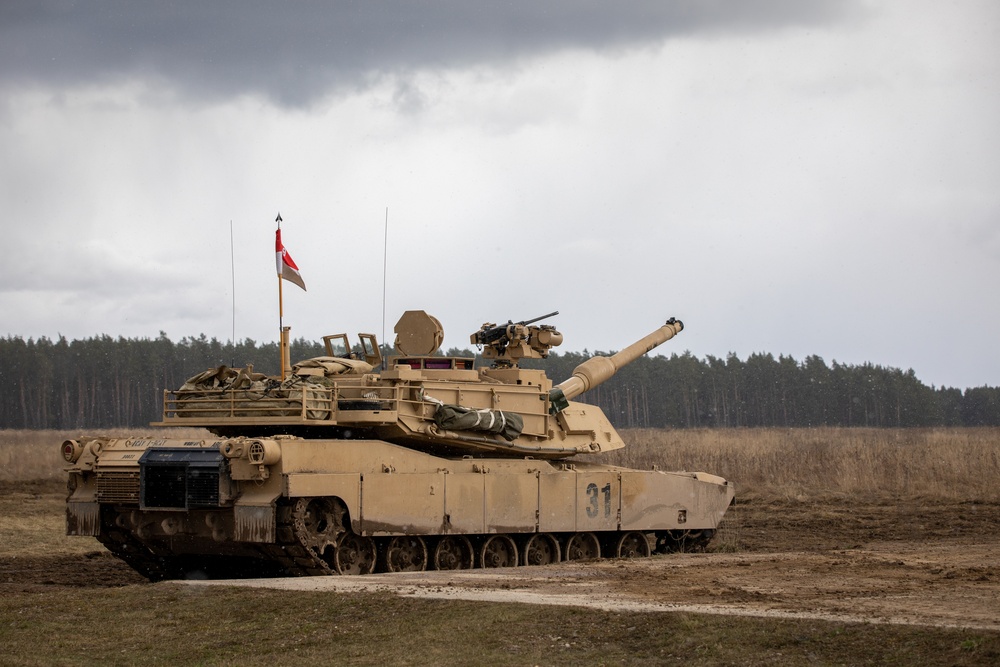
249, 507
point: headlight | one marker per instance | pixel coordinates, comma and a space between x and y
263, 452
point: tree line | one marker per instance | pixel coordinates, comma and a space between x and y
683, 391
106, 382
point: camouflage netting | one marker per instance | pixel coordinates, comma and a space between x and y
250, 394
314, 370
318, 369
456, 418
222, 377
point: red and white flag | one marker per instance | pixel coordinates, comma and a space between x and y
285, 264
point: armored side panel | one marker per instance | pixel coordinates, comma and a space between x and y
289, 504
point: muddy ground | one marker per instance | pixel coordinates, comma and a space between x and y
922, 563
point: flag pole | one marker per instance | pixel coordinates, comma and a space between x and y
281, 315
287, 270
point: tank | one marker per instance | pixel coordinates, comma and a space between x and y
352, 464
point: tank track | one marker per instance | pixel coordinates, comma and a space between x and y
158, 563
310, 532
126, 546
311, 535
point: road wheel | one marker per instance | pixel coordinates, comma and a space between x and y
498, 551
355, 554
541, 549
583, 546
454, 552
632, 545
406, 553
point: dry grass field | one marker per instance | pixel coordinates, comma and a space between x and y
36, 455
932, 463
845, 547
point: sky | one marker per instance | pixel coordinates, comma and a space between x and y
790, 178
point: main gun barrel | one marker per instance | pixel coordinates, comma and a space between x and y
596, 370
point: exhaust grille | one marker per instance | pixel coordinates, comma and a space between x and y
180, 478
118, 487
203, 487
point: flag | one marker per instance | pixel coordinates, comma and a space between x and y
286, 265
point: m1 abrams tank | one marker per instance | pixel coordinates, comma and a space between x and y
349, 464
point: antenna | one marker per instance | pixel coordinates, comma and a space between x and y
232, 264
385, 254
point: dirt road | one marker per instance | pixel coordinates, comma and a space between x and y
953, 585
920, 563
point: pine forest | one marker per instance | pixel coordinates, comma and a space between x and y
107, 382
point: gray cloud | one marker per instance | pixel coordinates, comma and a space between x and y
296, 52
798, 178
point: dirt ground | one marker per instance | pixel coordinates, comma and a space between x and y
920, 563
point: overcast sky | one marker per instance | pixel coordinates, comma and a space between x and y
786, 177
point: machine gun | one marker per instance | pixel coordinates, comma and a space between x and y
509, 342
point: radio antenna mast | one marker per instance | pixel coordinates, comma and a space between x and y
385, 254
232, 265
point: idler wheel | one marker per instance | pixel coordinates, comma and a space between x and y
683, 540
498, 551
355, 554
406, 553
583, 546
541, 549
633, 545
454, 552
696, 541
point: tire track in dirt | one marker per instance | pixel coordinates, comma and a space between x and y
895, 583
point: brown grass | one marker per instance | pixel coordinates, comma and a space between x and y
170, 624
37, 455
34, 523
943, 463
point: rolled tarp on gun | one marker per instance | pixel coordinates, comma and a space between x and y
597, 369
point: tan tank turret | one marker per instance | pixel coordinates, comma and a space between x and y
352, 464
